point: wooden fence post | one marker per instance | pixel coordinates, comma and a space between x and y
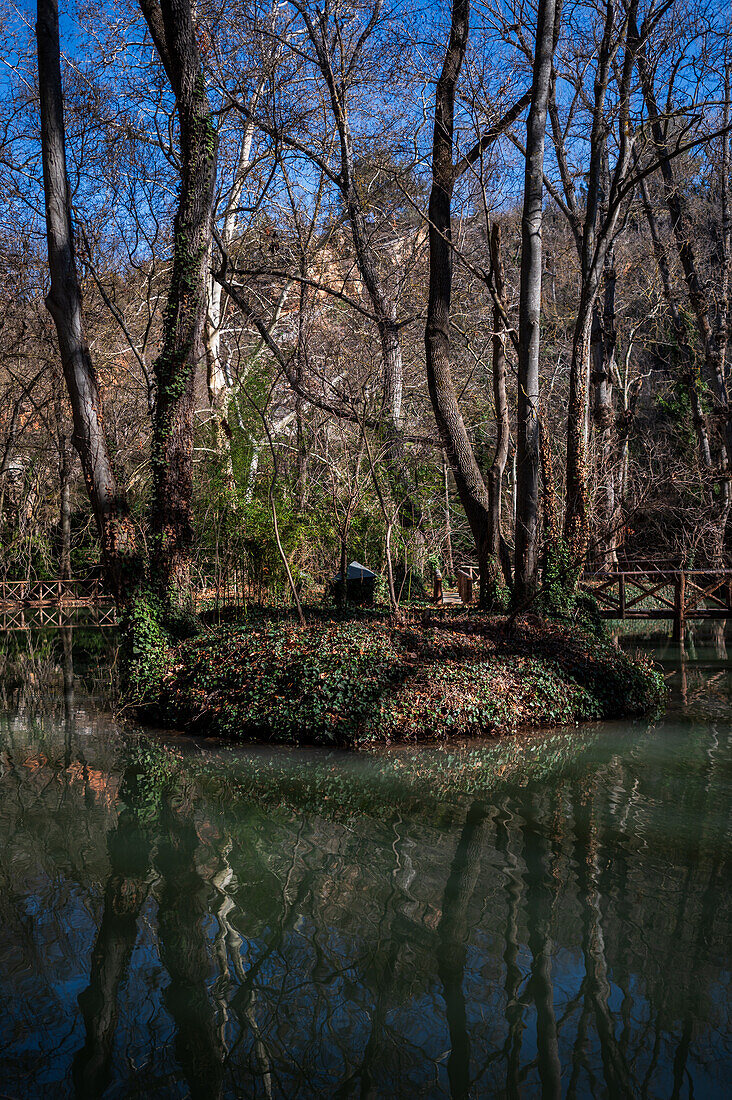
621, 594
465, 586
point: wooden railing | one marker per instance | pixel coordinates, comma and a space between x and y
675, 594
465, 577
647, 592
88, 590
33, 616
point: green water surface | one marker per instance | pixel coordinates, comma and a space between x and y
544, 916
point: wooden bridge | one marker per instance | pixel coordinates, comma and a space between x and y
677, 595
636, 592
32, 593
54, 603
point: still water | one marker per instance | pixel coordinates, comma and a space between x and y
548, 916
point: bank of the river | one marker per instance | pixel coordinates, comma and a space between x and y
359, 682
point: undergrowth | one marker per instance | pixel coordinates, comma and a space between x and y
346, 682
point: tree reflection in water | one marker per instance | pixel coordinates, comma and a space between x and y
219, 924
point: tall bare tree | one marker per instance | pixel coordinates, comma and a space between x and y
475, 497
527, 427
64, 302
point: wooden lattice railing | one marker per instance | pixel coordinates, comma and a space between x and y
33, 593
676, 594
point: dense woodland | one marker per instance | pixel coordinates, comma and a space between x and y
294, 283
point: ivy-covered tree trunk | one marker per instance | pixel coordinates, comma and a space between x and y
171, 26
712, 329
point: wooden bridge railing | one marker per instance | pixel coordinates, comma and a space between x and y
39, 593
32, 616
648, 592
465, 577
676, 594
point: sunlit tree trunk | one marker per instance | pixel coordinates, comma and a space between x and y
498, 548
527, 427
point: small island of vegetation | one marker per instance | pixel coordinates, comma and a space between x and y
364, 681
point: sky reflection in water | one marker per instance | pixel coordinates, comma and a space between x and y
546, 918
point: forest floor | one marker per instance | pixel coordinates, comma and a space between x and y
366, 679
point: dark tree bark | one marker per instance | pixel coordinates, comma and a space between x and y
594, 230
458, 448
171, 27
475, 496
528, 431
64, 303
689, 376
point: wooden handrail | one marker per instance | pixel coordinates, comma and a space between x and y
693, 591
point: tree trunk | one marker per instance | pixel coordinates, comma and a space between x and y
217, 375
498, 549
171, 27
302, 434
528, 433
343, 570
603, 344
383, 301
458, 448
64, 477
448, 523
689, 375
216, 378
64, 303
576, 523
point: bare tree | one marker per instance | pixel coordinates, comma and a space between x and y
474, 495
712, 330
527, 426
64, 302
